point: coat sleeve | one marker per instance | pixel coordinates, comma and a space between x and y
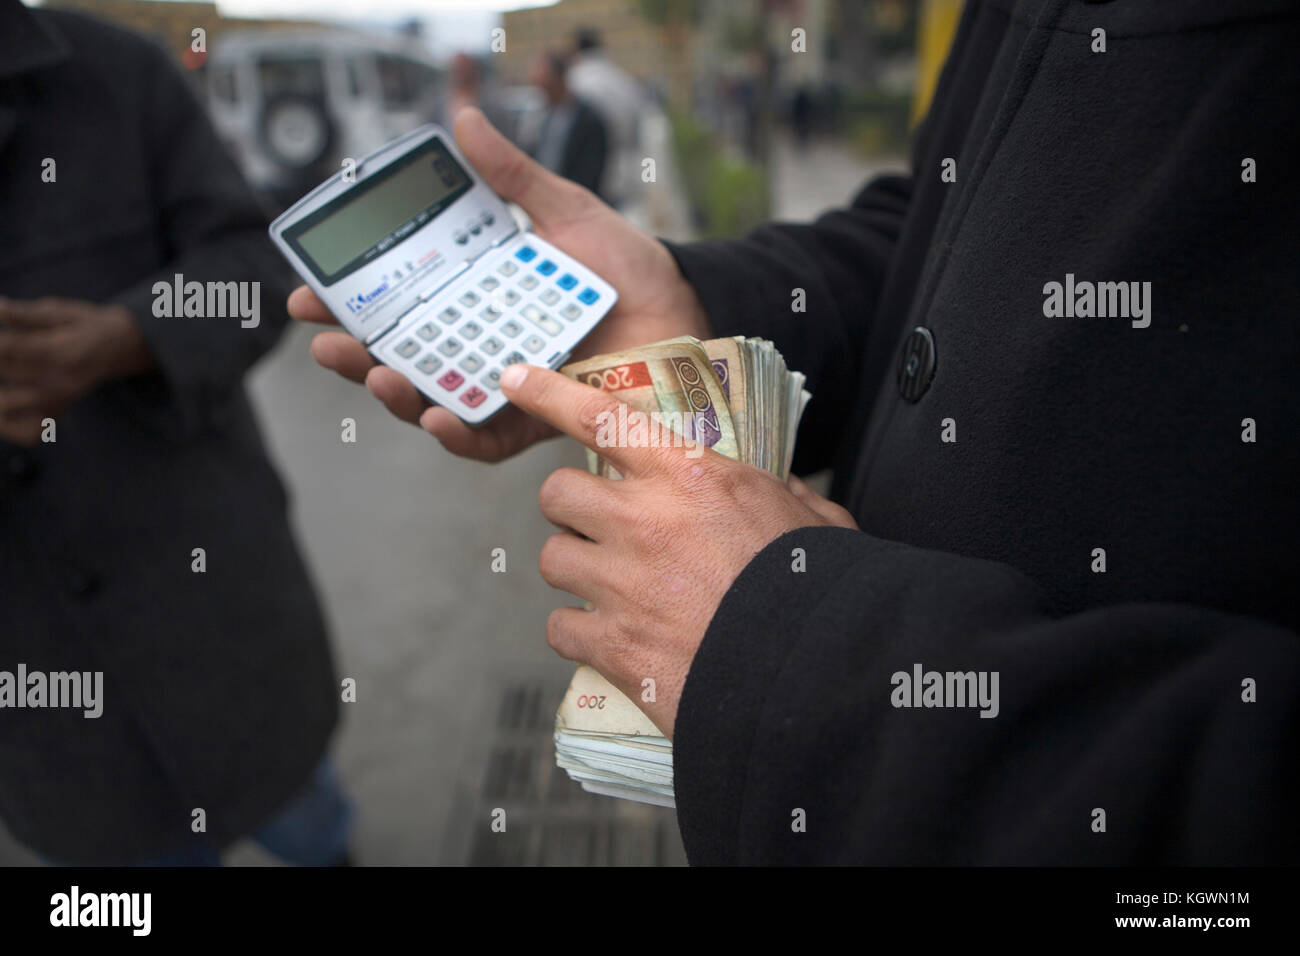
210, 228
1180, 724
811, 289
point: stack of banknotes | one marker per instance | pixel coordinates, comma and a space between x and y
734, 396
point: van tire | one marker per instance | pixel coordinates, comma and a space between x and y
312, 115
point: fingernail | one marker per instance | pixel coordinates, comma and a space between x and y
514, 375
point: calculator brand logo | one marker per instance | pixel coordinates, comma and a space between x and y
358, 302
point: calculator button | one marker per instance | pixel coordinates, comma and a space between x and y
489, 283
471, 363
471, 330
588, 296
449, 347
449, 315
570, 311
566, 281
461, 238
509, 296
511, 328
528, 282
507, 268
452, 380
487, 219
429, 364
492, 345
525, 253
428, 331
408, 348
513, 358
473, 396
470, 298
492, 379
490, 314
546, 267
540, 319
534, 343
476, 228
550, 297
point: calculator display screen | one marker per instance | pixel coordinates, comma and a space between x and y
376, 215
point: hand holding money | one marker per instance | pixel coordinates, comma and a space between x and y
653, 554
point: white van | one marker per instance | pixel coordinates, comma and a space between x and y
291, 105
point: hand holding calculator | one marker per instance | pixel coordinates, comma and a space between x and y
420, 261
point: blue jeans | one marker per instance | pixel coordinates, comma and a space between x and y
312, 830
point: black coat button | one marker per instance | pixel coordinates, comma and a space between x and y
916, 367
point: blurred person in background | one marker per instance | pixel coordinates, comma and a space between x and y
571, 138
126, 444
617, 96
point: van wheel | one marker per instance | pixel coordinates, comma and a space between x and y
295, 131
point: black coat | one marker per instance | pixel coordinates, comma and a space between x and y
1122, 690
219, 691
586, 148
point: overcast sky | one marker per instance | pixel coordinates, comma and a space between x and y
451, 24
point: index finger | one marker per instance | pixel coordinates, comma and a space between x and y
30, 314
582, 412
306, 306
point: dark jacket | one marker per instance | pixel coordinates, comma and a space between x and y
585, 148
218, 687
1120, 690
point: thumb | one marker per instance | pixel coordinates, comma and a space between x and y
515, 176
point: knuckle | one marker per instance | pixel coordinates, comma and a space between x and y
550, 560
591, 411
654, 528
618, 639
560, 635
552, 491
555, 635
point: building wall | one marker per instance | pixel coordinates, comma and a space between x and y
630, 40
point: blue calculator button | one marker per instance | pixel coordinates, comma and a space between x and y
546, 267
566, 282
588, 296
526, 253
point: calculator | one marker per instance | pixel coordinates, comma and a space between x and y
425, 265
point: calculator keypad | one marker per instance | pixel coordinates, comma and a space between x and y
520, 300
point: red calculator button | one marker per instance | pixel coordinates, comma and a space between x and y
452, 380
473, 396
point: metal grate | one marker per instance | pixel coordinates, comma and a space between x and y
550, 819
